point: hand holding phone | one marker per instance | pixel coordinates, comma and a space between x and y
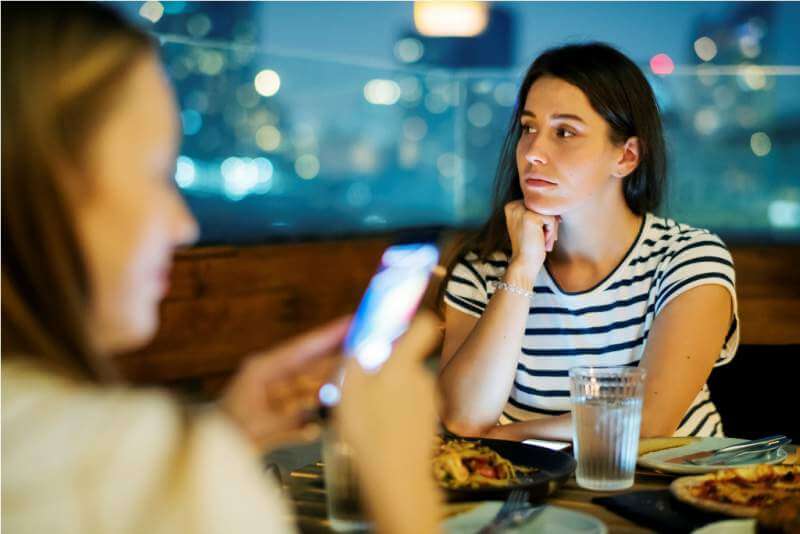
385, 311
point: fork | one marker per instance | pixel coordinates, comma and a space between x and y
517, 500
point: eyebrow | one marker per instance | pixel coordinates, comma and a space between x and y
527, 113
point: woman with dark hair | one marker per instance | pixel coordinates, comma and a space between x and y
574, 269
90, 218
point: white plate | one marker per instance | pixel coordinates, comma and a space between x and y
657, 460
551, 519
729, 526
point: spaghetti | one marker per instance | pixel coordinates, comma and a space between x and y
461, 464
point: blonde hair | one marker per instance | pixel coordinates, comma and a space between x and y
62, 66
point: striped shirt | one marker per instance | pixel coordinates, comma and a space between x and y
607, 324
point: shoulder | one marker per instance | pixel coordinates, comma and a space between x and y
45, 407
677, 241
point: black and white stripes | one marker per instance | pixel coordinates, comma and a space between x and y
608, 324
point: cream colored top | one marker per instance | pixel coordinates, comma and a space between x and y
87, 459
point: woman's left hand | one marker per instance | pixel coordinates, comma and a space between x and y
273, 396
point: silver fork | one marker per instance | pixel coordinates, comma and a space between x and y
517, 500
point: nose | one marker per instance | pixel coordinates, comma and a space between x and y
535, 152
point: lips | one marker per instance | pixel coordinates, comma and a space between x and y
539, 181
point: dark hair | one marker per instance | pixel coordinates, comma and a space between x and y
62, 65
619, 92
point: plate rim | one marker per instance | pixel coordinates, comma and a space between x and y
597, 522
688, 469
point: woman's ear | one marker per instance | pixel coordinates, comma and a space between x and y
629, 159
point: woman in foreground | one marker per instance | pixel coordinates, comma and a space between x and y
90, 219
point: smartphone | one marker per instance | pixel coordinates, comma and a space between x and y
385, 311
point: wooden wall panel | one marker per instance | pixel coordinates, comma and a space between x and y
768, 288
226, 302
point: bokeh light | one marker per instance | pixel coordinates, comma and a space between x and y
784, 213
479, 115
415, 128
243, 176
752, 77
505, 94
268, 138
267, 82
307, 166
451, 19
192, 121
198, 25
760, 144
409, 50
382, 92
662, 64
152, 11
706, 121
705, 48
185, 172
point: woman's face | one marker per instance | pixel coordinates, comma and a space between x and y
564, 155
131, 217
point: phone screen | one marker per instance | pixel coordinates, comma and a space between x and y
388, 305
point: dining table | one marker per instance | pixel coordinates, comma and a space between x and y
306, 488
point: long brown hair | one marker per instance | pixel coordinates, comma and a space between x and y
62, 65
620, 93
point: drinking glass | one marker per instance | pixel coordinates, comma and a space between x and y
606, 419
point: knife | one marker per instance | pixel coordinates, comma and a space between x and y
767, 443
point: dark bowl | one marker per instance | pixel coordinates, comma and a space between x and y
553, 470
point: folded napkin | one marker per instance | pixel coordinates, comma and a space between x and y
658, 510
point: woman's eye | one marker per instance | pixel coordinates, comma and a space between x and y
561, 132
528, 129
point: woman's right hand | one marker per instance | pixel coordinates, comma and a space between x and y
532, 237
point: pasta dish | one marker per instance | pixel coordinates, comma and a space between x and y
467, 464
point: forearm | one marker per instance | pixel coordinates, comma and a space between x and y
476, 380
557, 428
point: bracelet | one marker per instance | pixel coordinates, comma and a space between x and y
511, 288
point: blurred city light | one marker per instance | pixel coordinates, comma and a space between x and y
152, 11
185, 172
451, 19
662, 64
415, 128
242, 176
752, 77
706, 121
760, 144
267, 82
784, 213
307, 166
705, 48
211, 62
750, 46
382, 92
505, 94
479, 115
198, 25
268, 138
410, 89
192, 121
409, 50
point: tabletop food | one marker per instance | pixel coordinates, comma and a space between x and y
743, 492
469, 464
